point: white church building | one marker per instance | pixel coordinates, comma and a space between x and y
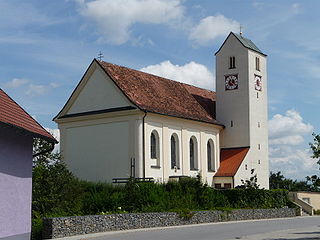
121, 123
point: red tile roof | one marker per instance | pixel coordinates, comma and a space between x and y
14, 115
160, 95
230, 161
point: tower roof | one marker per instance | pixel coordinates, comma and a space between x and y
247, 43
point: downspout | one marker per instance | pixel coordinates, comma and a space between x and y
46, 151
233, 182
143, 145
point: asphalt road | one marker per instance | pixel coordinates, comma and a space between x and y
299, 228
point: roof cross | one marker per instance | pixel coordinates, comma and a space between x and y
240, 30
100, 56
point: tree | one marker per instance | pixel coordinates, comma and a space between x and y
315, 147
251, 183
55, 190
42, 150
278, 181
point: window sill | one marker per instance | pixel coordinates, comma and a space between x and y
157, 167
175, 168
194, 169
211, 171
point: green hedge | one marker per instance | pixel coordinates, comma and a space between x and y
56, 192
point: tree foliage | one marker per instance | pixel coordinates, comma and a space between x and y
46, 156
278, 181
315, 147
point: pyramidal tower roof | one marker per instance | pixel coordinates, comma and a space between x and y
247, 43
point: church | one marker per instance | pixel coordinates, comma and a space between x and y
121, 123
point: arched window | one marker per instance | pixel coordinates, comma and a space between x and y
193, 149
210, 156
154, 147
174, 143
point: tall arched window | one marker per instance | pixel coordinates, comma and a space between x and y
174, 143
154, 147
193, 150
210, 156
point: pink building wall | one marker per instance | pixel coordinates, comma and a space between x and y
15, 184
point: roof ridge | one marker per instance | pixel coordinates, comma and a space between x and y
156, 76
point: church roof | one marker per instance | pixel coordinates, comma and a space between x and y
11, 114
230, 161
155, 94
247, 43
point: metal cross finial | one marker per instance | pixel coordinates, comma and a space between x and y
240, 30
100, 56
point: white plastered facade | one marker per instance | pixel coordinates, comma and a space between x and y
99, 146
184, 130
245, 107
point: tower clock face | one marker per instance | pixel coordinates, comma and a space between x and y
231, 82
257, 83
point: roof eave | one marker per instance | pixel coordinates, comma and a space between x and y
34, 134
192, 119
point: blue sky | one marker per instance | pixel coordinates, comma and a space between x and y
46, 46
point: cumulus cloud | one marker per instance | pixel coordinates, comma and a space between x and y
56, 134
35, 89
212, 27
288, 148
116, 18
16, 83
191, 73
288, 128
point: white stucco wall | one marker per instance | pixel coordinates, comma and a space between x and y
97, 94
233, 105
99, 147
184, 129
245, 108
223, 180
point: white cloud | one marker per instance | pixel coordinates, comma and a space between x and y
16, 83
116, 18
191, 73
212, 27
56, 134
288, 126
288, 148
35, 89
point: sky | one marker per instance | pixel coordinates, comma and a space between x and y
46, 46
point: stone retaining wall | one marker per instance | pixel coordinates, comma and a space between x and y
70, 226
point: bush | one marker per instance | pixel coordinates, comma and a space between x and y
56, 192
316, 212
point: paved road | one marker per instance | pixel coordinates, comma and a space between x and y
299, 228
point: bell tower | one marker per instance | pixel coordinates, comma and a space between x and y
241, 104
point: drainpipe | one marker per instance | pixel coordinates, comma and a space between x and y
143, 145
233, 182
46, 151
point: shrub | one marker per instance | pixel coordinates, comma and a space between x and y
56, 192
